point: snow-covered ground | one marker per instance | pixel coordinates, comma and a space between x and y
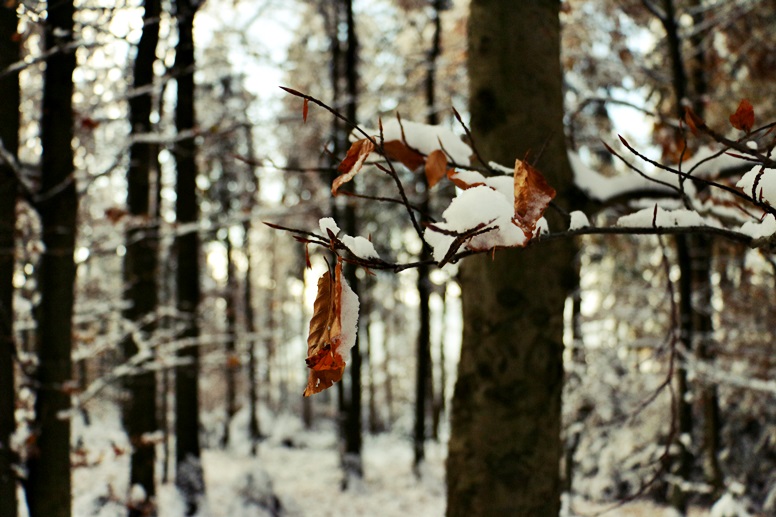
303, 469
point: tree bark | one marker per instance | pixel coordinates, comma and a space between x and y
423, 377
48, 484
9, 139
352, 463
505, 448
189, 476
140, 268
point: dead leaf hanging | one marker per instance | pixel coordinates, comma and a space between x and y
532, 196
436, 167
352, 162
327, 343
399, 151
743, 118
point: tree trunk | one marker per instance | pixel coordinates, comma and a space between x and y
49, 479
189, 476
505, 448
250, 196
352, 462
9, 139
140, 268
232, 359
423, 377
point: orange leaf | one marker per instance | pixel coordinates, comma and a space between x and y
689, 118
88, 123
115, 214
233, 361
352, 163
459, 182
399, 151
532, 196
743, 118
305, 107
323, 358
436, 167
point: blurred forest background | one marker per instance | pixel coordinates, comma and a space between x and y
154, 331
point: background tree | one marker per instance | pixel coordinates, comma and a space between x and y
188, 474
9, 187
48, 485
505, 449
141, 267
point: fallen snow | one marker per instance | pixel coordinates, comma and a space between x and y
360, 246
703, 163
349, 320
328, 223
475, 206
760, 229
662, 218
760, 184
578, 221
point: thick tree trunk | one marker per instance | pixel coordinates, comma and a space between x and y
505, 448
189, 476
49, 481
9, 138
140, 268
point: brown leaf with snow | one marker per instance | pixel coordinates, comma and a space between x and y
323, 358
399, 151
532, 196
352, 163
436, 167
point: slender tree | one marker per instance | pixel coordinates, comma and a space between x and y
694, 254
9, 143
48, 485
188, 474
423, 377
140, 267
505, 448
353, 427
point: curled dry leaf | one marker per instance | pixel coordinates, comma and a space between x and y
743, 118
352, 162
436, 167
305, 109
324, 356
532, 196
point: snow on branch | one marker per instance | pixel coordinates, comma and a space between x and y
498, 207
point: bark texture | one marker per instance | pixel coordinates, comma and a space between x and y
140, 268
48, 485
505, 448
9, 137
188, 472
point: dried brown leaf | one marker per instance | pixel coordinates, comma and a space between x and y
323, 358
743, 118
352, 162
532, 196
436, 167
400, 152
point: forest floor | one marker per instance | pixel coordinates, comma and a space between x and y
301, 468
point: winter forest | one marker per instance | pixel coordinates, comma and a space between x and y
387, 258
